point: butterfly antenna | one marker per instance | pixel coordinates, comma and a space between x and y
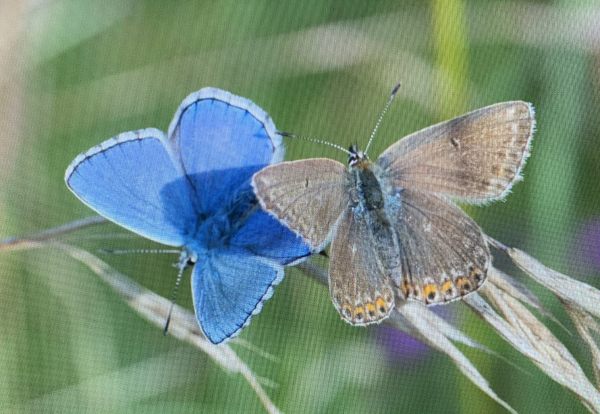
182, 266
315, 140
136, 251
385, 108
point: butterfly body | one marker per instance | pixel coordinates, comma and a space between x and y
395, 231
375, 201
217, 230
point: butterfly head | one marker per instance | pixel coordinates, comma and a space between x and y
356, 157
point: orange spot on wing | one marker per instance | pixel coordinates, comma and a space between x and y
407, 288
463, 284
447, 287
381, 305
359, 313
371, 308
430, 291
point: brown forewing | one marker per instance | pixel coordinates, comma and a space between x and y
306, 195
476, 157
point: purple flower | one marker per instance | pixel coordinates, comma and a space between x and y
400, 346
588, 244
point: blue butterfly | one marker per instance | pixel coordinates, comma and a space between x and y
192, 188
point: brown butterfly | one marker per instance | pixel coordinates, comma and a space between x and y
393, 228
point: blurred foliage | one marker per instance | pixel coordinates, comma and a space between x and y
82, 72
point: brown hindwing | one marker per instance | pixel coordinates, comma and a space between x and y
444, 253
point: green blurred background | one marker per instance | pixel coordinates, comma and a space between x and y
76, 72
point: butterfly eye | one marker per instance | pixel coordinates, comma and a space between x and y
352, 159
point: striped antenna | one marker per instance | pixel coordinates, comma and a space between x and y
385, 108
181, 265
139, 251
315, 140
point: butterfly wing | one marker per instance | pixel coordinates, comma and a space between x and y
228, 288
263, 235
444, 253
221, 140
476, 157
131, 179
307, 195
360, 288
